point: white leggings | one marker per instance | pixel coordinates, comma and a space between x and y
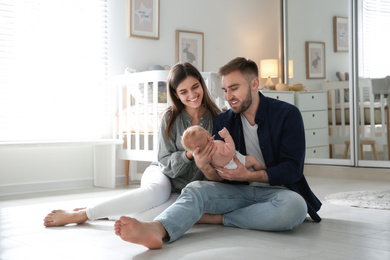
144, 203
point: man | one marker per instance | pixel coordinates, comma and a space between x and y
275, 198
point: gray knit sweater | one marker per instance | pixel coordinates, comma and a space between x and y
172, 158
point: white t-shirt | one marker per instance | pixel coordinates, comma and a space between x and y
251, 140
252, 146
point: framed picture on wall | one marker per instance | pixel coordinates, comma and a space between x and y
340, 34
189, 48
143, 19
315, 60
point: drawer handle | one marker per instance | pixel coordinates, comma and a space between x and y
314, 151
312, 97
314, 115
314, 133
277, 97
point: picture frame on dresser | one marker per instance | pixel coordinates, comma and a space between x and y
315, 60
144, 19
190, 48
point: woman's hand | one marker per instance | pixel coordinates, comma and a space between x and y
203, 158
203, 161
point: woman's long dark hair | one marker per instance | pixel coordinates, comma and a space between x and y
178, 73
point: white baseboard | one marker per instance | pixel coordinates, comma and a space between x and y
345, 172
121, 180
44, 186
31, 187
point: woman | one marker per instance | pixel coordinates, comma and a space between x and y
191, 105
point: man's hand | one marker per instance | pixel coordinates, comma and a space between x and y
241, 173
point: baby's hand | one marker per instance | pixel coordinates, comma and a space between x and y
223, 133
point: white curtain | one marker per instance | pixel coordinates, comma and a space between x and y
374, 39
53, 70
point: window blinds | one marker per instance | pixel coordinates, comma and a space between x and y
53, 69
374, 39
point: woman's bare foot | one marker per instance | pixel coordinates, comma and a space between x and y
78, 209
148, 234
211, 219
64, 217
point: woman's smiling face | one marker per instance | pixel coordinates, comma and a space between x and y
190, 92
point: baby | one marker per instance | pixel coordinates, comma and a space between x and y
197, 136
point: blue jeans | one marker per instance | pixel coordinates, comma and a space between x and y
243, 206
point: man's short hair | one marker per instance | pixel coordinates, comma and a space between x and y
244, 65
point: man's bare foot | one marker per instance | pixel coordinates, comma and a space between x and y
64, 217
148, 234
211, 219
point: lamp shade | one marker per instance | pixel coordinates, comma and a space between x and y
290, 69
269, 68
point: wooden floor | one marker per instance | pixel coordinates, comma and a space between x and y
344, 233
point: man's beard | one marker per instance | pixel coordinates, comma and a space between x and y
245, 104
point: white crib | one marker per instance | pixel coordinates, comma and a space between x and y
373, 117
141, 99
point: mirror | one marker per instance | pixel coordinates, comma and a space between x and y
319, 54
373, 86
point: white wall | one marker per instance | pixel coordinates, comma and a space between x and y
24, 169
231, 28
312, 20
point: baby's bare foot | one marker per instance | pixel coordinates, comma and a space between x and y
148, 234
64, 217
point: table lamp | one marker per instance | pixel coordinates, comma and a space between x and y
290, 69
284, 86
269, 69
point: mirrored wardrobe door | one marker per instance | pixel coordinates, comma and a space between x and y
317, 65
373, 82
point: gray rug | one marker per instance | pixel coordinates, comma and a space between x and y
361, 199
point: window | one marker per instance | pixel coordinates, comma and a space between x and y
374, 40
53, 69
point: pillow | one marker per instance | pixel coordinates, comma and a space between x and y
344, 77
340, 76
162, 92
141, 93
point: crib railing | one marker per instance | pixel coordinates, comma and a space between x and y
373, 114
138, 114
